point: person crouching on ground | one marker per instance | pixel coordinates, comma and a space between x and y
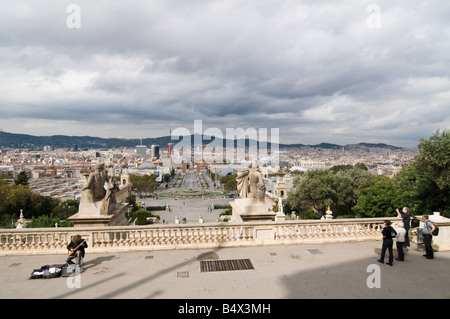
400, 242
388, 233
76, 248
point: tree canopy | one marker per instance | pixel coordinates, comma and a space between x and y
229, 182
423, 186
143, 184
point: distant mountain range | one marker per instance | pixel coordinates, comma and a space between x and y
12, 140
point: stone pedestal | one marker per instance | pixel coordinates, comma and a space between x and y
329, 214
246, 209
93, 219
280, 217
109, 211
442, 241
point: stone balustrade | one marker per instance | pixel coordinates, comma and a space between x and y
190, 236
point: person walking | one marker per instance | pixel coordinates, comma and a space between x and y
400, 242
388, 233
427, 230
407, 222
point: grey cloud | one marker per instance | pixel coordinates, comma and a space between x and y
313, 69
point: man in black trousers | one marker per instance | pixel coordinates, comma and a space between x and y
406, 222
427, 230
388, 233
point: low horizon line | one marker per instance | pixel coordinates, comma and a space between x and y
169, 136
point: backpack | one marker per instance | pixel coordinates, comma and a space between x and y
436, 231
393, 233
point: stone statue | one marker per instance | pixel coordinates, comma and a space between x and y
280, 205
242, 183
94, 190
250, 183
110, 197
94, 196
252, 204
100, 202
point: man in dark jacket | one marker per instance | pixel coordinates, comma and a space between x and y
388, 233
427, 231
76, 248
406, 222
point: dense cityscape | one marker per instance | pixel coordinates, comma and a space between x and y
61, 173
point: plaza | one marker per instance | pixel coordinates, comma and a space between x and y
327, 259
317, 271
189, 205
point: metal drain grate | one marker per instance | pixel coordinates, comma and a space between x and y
225, 265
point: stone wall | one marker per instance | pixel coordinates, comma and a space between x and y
191, 236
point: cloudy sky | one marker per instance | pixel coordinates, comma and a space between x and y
320, 71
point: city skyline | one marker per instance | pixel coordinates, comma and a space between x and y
342, 73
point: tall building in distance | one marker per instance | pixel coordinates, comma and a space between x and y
155, 151
141, 150
170, 150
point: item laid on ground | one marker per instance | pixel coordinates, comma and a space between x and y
68, 270
47, 271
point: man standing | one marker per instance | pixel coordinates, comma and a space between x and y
401, 232
388, 233
406, 222
427, 230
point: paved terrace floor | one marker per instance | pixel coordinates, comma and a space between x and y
337, 270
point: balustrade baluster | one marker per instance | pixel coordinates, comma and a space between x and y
113, 239
166, 236
233, 234
214, 234
152, 239
133, 238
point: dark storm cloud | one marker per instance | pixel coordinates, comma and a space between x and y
316, 70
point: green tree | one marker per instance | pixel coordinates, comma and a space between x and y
65, 210
432, 166
379, 197
313, 191
42, 222
45, 205
229, 182
45, 221
434, 158
424, 184
14, 198
318, 189
143, 184
21, 179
